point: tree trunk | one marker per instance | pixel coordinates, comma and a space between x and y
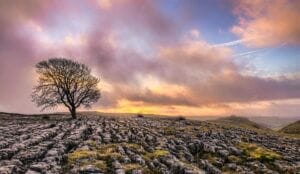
73, 113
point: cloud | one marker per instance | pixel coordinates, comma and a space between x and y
36, 33
231, 43
265, 23
199, 56
139, 16
16, 54
211, 76
206, 75
20, 49
143, 62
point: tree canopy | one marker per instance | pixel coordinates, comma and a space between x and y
65, 82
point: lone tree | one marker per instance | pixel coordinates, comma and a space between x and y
66, 82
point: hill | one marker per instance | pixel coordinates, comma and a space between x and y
239, 121
275, 123
293, 128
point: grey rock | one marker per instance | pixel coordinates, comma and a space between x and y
232, 166
137, 171
32, 172
223, 153
40, 167
119, 171
234, 150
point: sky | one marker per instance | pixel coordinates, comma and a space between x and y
171, 57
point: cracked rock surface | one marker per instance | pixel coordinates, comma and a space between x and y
95, 144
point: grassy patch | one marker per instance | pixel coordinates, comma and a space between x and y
80, 155
258, 153
208, 156
92, 144
108, 151
156, 154
82, 158
151, 171
234, 159
100, 164
169, 130
100, 156
134, 147
132, 166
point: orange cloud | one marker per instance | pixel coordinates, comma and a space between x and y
105, 4
159, 87
127, 106
287, 107
268, 23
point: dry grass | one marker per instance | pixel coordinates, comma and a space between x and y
156, 154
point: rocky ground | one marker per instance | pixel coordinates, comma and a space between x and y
138, 145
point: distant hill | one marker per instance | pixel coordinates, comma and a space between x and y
275, 123
239, 121
293, 128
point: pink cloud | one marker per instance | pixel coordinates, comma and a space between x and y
143, 16
268, 23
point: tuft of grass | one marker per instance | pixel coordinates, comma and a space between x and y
156, 154
108, 151
82, 158
93, 144
180, 118
100, 164
209, 157
258, 153
169, 130
132, 145
234, 159
131, 166
80, 154
140, 115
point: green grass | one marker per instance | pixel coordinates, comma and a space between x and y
256, 152
83, 158
99, 156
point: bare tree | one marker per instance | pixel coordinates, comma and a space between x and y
65, 82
